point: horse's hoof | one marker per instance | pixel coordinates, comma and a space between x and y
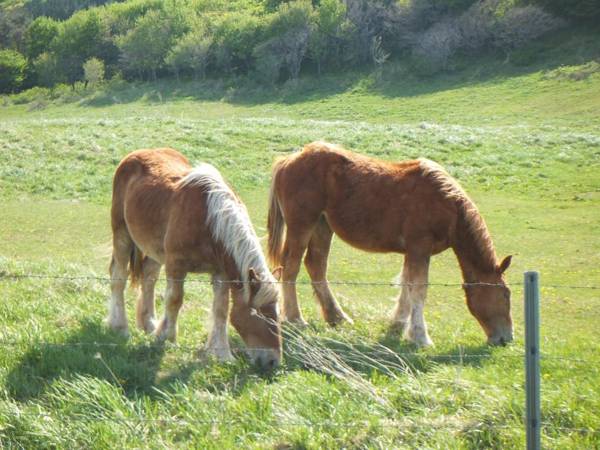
337, 318
222, 355
398, 327
297, 321
122, 329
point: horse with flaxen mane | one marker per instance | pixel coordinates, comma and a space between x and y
166, 212
410, 207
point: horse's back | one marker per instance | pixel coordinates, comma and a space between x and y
144, 190
367, 202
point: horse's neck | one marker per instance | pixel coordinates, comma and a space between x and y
470, 265
473, 246
230, 268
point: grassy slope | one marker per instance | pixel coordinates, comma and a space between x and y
525, 145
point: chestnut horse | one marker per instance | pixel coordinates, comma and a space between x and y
410, 207
166, 212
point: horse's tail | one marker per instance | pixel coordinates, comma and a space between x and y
275, 222
135, 265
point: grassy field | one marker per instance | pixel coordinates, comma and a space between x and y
525, 145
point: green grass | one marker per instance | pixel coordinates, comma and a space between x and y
526, 146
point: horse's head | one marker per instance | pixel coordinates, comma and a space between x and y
257, 321
489, 301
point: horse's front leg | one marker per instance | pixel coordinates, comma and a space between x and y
316, 266
417, 268
167, 328
401, 314
218, 344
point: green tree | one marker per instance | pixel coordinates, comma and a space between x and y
144, 48
324, 39
12, 70
191, 52
39, 36
46, 69
80, 38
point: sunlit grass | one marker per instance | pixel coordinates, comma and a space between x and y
66, 381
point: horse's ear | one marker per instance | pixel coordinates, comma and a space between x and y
252, 276
254, 281
277, 273
505, 264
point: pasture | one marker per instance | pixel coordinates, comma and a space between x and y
527, 150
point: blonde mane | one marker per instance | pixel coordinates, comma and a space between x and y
230, 224
473, 229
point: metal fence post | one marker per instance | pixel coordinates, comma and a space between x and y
532, 359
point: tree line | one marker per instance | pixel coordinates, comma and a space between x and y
48, 42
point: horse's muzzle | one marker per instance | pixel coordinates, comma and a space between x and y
264, 358
502, 338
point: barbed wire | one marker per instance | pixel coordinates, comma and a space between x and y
15, 276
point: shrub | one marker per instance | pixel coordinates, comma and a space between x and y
93, 70
482, 26
519, 26
46, 70
582, 10
190, 53
436, 45
12, 70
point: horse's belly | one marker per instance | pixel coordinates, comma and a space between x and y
368, 237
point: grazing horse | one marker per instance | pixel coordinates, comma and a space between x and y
410, 207
166, 212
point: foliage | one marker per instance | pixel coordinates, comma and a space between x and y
190, 53
80, 38
47, 69
12, 70
39, 36
144, 48
93, 71
273, 39
581, 10
480, 28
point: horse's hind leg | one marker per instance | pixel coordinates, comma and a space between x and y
316, 265
401, 314
122, 248
144, 312
167, 328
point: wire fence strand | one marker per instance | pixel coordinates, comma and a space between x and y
19, 276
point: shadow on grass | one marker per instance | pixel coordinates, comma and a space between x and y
97, 352
92, 350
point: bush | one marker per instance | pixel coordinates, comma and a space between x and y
581, 10
46, 70
12, 70
190, 53
93, 71
519, 26
482, 27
